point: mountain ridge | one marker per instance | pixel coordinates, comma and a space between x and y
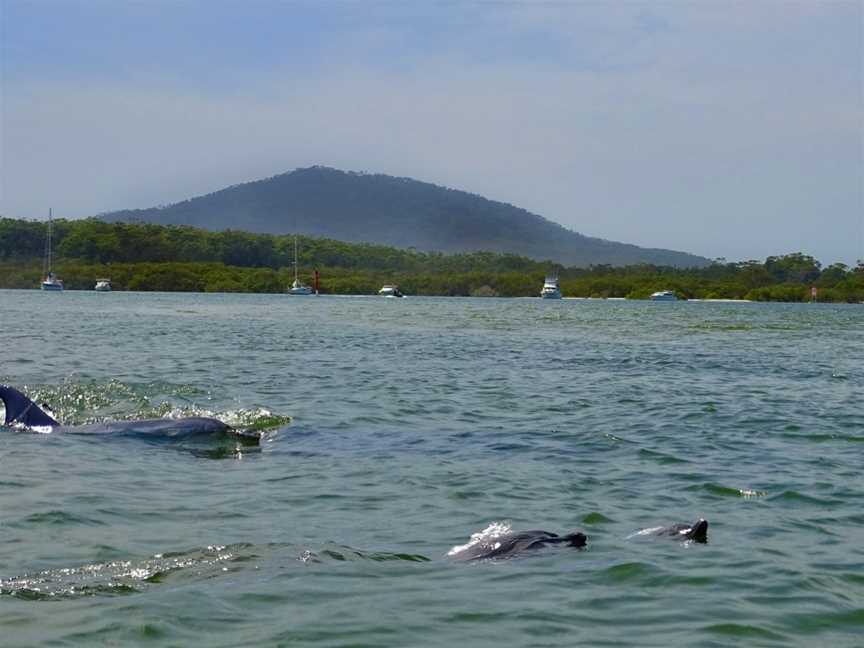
357, 206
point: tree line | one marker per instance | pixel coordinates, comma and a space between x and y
140, 256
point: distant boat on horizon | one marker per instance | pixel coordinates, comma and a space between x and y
551, 288
298, 287
51, 282
103, 285
390, 290
664, 295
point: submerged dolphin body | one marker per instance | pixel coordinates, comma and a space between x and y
20, 410
697, 531
512, 544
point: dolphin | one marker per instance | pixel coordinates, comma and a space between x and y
697, 531
21, 411
512, 544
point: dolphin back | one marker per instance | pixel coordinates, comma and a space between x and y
182, 429
513, 544
22, 410
697, 531
160, 427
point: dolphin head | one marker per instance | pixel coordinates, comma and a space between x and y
21, 410
698, 531
576, 539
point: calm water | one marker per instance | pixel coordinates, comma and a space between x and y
415, 424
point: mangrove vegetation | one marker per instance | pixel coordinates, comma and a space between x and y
139, 256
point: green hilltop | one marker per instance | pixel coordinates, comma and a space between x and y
401, 212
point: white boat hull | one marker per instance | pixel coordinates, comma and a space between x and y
301, 290
390, 291
551, 288
664, 296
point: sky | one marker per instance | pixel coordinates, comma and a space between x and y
729, 129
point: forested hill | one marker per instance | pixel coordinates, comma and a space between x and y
381, 209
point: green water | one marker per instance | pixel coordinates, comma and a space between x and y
414, 424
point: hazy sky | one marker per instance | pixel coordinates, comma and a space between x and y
731, 129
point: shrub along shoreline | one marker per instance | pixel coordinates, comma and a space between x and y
182, 259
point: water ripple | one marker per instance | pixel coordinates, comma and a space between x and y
407, 426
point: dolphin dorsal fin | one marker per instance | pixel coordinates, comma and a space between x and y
22, 410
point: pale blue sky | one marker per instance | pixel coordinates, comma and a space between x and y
731, 129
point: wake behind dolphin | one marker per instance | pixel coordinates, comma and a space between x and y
23, 412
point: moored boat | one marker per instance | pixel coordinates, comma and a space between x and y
664, 295
51, 282
103, 285
298, 287
551, 288
390, 291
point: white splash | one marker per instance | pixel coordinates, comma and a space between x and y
486, 537
746, 492
38, 429
178, 412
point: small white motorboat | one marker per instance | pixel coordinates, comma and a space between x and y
103, 285
390, 291
664, 295
551, 288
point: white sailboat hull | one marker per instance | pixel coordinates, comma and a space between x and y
301, 290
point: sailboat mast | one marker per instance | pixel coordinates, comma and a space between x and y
50, 242
46, 265
295, 257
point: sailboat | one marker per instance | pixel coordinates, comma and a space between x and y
298, 287
50, 282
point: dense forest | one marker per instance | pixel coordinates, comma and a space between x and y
401, 212
138, 256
